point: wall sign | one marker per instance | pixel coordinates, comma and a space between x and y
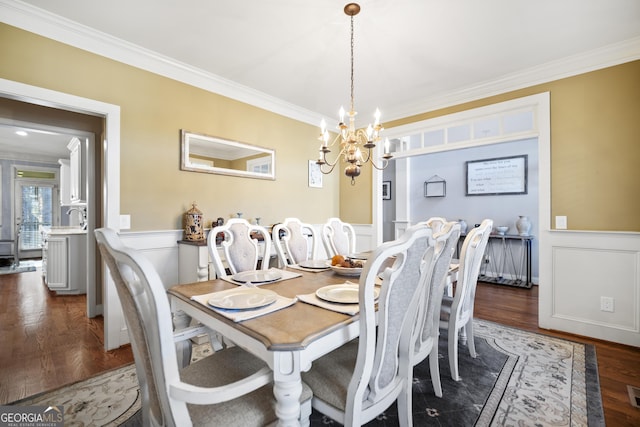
435, 187
499, 176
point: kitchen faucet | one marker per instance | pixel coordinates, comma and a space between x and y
83, 216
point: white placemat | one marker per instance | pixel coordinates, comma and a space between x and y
286, 275
350, 309
240, 315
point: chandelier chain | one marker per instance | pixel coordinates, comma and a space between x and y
352, 79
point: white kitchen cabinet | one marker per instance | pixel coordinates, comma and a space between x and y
65, 182
65, 259
77, 172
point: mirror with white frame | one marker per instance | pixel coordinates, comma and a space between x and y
210, 154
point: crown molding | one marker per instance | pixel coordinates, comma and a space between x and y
41, 22
607, 56
55, 27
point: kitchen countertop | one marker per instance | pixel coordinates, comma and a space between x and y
66, 230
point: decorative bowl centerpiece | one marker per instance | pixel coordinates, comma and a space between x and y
502, 229
345, 266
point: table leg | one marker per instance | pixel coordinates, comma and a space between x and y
182, 320
287, 388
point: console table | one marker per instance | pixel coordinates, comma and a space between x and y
507, 260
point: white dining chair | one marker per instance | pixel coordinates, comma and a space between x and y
294, 241
245, 246
358, 381
338, 238
426, 333
231, 387
457, 311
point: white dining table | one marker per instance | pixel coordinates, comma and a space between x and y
288, 340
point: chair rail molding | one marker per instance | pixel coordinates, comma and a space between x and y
581, 268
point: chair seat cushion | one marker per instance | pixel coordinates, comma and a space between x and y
330, 375
232, 364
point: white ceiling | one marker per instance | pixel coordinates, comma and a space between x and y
410, 55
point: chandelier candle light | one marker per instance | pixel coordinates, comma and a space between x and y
352, 140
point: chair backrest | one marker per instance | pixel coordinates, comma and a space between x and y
428, 318
148, 317
383, 362
339, 238
241, 246
436, 223
298, 241
471, 257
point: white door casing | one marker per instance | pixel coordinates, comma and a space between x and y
115, 332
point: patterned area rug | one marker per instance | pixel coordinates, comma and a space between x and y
518, 378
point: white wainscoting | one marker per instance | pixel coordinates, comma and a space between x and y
583, 267
161, 248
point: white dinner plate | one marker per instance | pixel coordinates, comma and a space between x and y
313, 263
345, 294
257, 276
243, 298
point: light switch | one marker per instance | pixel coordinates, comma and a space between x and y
561, 223
125, 222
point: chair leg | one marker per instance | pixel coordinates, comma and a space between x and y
463, 335
405, 417
471, 342
453, 353
434, 368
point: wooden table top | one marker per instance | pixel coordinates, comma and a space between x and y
291, 328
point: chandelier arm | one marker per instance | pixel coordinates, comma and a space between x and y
330, 169
368, 157
385, 163
325, 161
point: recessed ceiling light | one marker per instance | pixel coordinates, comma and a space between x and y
21, 133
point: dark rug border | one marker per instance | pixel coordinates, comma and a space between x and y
595, 410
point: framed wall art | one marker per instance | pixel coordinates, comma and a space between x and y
498, 176
315, 175
435, 187
386, 190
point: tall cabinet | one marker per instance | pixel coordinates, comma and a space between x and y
77, 172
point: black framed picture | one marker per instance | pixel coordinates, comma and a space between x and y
497, 176
386, 190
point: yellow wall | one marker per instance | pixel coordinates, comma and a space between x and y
595, 146
154, 191
594, 142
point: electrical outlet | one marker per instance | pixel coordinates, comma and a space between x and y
607, 304
125, 222
561, 222
487, 260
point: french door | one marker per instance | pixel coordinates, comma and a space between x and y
34, 208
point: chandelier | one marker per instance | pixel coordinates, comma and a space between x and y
352, 141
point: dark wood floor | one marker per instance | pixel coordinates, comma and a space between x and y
47, 342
